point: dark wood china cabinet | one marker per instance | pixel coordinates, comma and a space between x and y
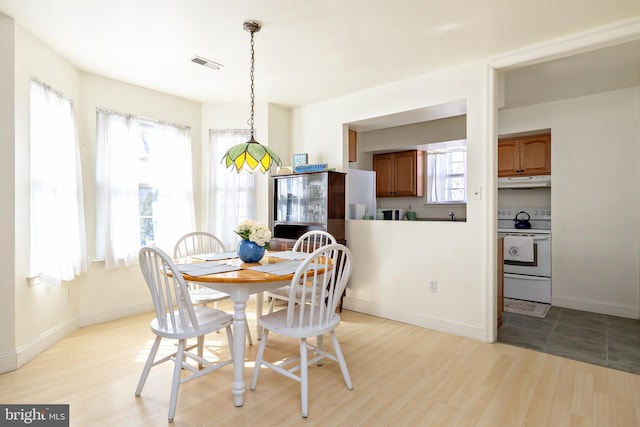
307, 201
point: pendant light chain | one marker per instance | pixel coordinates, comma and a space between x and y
252, 83
251, 155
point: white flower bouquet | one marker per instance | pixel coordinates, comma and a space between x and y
255, 232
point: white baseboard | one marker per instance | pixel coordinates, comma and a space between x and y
8, 362
115, 313
628, 311
14, 360
421, 320
23, 354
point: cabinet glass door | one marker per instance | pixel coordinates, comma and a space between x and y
301, 198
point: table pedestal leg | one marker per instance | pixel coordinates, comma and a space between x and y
238, 351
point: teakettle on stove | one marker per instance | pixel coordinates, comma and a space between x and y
522, 223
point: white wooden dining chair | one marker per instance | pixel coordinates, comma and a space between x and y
178, 319
308, 242
201, 243
325, 273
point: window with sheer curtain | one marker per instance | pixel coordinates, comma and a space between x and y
144, 194
446, 176
57, 244
233, 195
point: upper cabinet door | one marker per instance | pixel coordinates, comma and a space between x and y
383, 165
508, 157
353, 146
399, 174
535, 155
407, 174
524, 156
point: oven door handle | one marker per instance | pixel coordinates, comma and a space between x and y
535, 238
539, 238
525, 277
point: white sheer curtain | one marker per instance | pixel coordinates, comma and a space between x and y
58, 245
119, 170
436, 177
174, 181
233, 195
117, 221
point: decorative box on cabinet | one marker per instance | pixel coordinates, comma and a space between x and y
399, 174
524, 156
304, 202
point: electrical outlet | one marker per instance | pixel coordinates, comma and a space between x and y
70, 294
433, 286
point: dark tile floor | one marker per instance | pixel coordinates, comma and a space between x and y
589, 337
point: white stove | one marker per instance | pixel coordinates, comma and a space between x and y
540, 219
529, 279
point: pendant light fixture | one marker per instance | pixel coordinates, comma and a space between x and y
251, 154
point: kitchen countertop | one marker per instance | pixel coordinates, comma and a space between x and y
417, 219
442, 219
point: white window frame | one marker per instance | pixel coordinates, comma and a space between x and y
441, 173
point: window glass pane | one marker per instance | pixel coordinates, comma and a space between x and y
146, 203
146, 190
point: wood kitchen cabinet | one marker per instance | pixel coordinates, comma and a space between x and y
399, 174
353, 145
524, 156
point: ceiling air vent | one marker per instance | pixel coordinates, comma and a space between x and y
206, 62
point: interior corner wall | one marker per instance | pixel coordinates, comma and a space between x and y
8, 359
43, 314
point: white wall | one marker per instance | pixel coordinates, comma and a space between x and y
393, 261
595, 197
7, 192
42, 314
527, 197
109, 294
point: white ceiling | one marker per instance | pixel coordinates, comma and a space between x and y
308, 51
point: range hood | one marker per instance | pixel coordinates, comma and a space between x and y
525, 181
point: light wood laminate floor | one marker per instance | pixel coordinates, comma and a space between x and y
403, 375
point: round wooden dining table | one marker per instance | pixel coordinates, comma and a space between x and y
240, 284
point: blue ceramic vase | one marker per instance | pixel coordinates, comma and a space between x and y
249, 251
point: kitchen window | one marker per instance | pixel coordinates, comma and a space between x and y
447, 175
